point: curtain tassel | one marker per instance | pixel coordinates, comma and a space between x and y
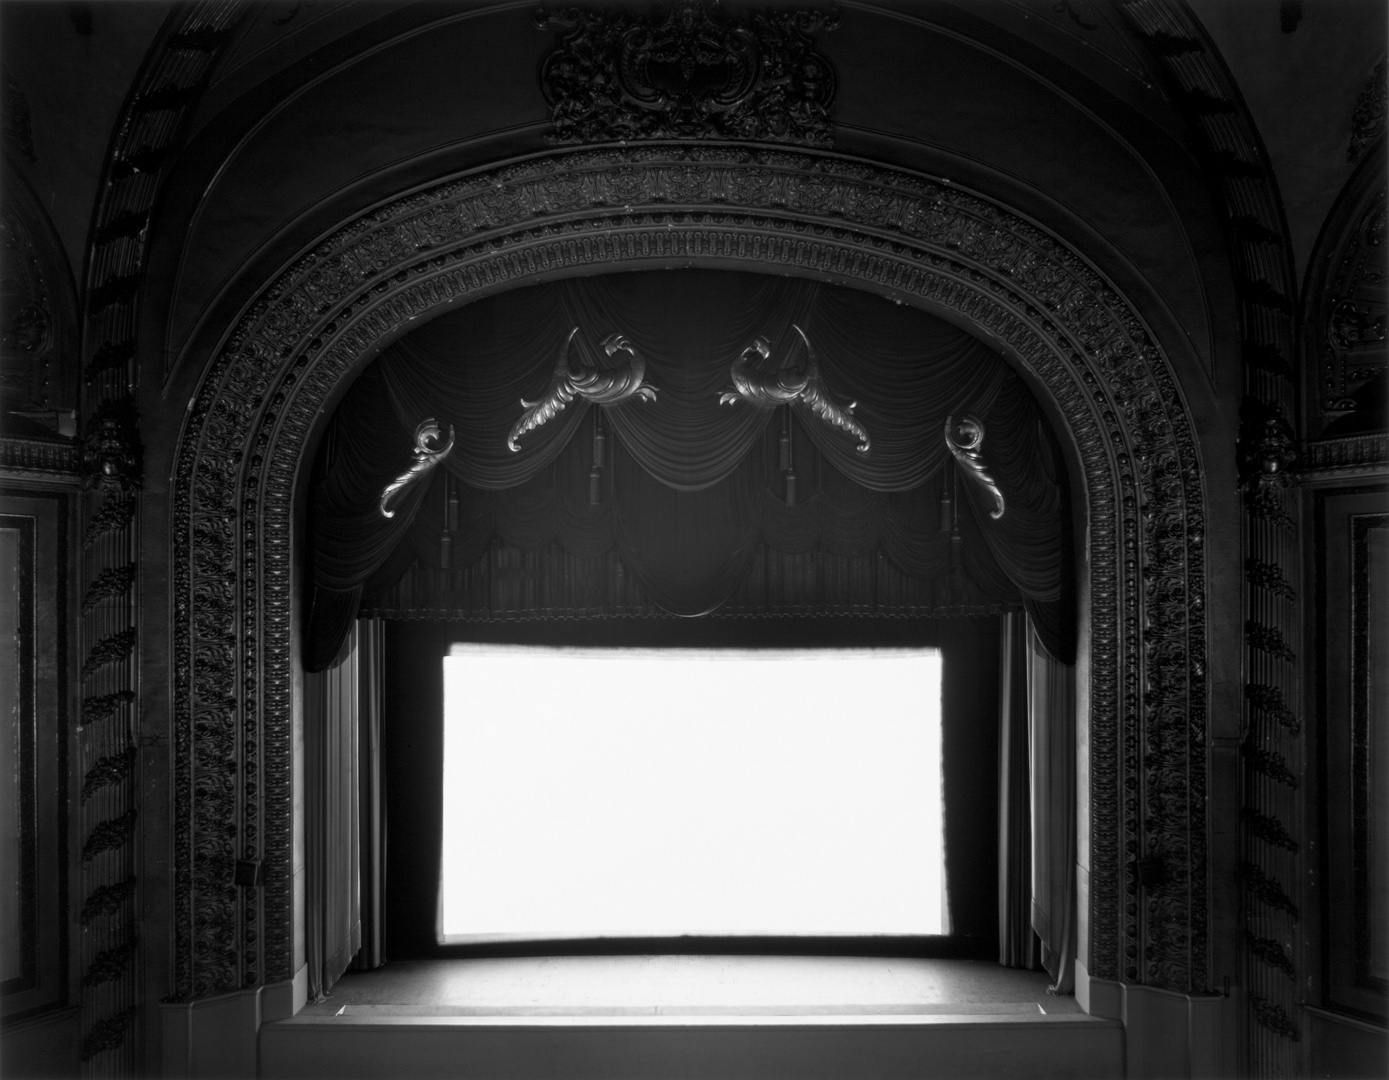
450, 524
957, 541
950, 521
785, 458
595, 474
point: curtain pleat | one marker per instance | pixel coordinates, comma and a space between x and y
471, 369
687, 551
906, 375
331, 840
352, 546
1028, 543
371, 795
1017, 941
687, 489
1051, 722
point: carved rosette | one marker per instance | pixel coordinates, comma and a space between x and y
784, 212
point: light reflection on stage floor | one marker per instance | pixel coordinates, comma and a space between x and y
673, 985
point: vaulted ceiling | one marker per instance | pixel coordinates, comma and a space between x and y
314, 111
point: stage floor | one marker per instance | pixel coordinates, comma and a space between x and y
693, 1018
684, 985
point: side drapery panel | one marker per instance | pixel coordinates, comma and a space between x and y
332, 841
1051, 730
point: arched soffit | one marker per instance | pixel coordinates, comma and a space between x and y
39, 328
915, 239
1343, 310
931, 89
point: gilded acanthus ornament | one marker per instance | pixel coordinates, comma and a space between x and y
965, 439
600, 387
786, 386
428, 453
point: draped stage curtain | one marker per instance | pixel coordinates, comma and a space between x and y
1052, 750
1017, 941
1036, 806
371, 794
690, 490
344, 830
332, 866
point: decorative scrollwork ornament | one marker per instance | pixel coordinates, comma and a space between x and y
608, 387
965, 440
428, 453
1274, 1017
788, 386
1267, 454
687, 70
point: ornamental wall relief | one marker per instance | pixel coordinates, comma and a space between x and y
1346, 306
802, 213
687, 70
36, 313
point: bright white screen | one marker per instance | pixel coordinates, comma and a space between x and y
636, 793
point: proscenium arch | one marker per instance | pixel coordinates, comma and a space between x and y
908, 237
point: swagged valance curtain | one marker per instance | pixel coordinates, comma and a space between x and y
689, 487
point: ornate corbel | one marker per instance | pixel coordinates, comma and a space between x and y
110, 456
965, 440
428, 453
1267, 454
786, 386
591, 384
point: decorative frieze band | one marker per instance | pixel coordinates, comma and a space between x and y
37, 459
1350, 455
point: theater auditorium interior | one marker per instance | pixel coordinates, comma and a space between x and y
710, 538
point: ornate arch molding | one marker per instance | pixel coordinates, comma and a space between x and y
801, 213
